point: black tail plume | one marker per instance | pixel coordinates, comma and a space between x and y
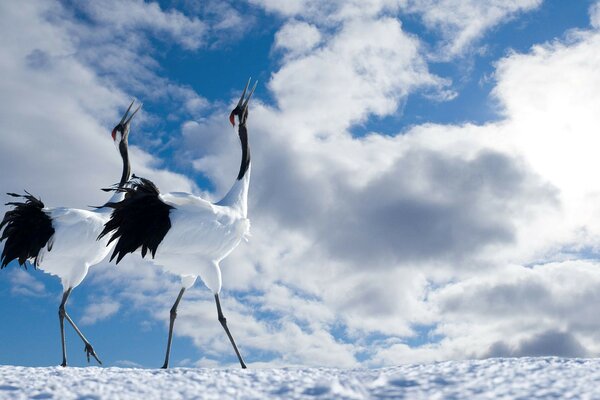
27, 229
141, 219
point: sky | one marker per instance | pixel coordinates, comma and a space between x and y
423, 175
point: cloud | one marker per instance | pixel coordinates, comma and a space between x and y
23, 283
595, 15
122, 18
549, 343
297, 38
475, 232
57, 113
365, 69
128, 364
99, 310
462, 23
459, 24
424, 227
363, 226
518, 311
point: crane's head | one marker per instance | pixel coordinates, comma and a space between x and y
120, 133
241, 109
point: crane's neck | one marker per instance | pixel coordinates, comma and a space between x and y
237, 197
124, 150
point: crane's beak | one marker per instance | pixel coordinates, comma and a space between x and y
126, 120
242, 105
122, 128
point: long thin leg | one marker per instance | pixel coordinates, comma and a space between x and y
62, 314
61, 319
171, 325
89, 350
223, 322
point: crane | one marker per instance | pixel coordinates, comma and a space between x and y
186, 234
63, 241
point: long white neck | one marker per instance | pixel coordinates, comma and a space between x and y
237, 197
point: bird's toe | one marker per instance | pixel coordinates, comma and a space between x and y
89, 351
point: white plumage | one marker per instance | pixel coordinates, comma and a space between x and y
202, 234
72, 247
187, 235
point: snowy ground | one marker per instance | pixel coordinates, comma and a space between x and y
525, 378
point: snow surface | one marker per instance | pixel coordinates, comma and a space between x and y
525, 378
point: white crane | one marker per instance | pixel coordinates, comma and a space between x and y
63, 241
186, 234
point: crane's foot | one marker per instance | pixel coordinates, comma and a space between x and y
89, 351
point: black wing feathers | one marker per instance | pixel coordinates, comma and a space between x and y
27, 229
141, 219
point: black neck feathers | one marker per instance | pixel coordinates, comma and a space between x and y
123, 149
243, 133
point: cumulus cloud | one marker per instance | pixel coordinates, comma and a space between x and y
297, 38
376, 227
357, 242
23, 283
549, 343
57, 113
595, 15
365, 69
99, 310
135, 15
459, 24
544, 310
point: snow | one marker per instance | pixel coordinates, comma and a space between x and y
493, 378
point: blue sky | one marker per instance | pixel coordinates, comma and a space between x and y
423, 175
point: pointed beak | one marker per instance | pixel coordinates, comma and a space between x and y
242, 105
132, 114
245, 105
239, 104
126, 112
125, 120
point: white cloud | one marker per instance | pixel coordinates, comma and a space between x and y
595, 15
365, 69
363, 236
297, 37
376, 228
359, 225
515, 310
459, 23
128, 364
56, 114
550, 100
99, 310
23, 283
462, 23
123, 17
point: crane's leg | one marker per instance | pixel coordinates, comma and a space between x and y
171, 325
223, 322
61, 319
62, 314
